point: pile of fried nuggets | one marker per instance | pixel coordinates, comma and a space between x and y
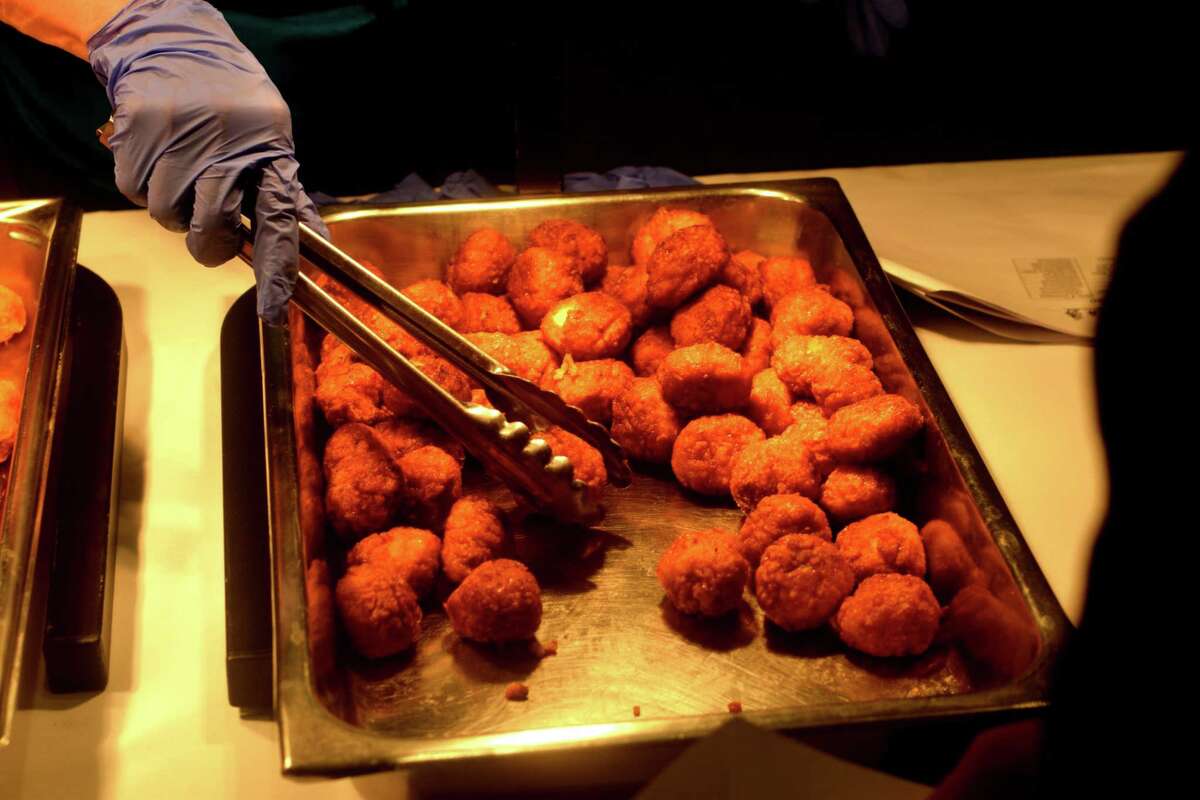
784, 414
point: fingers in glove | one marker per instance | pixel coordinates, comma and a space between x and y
212, 237
276, 240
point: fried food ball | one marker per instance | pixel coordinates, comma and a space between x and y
432, 483
630, 286
586, 460
577, 240
474, 534
683, 264
770, 403
412, 555
743, 272
664, 222
873, 429
441, 372
882, 543
756, 351
650, 349
591, 386
800, 359
349, 391
401, 436
808, 428
801, 580
363, 488
703, 454
949, 563
840, 388
488, 313
810, 312
782, 275
852, 492
588, 326
718, 315
10, 417
525, 354
379, 613
643, 423
12, 314
438, 299
777, 516
704, 379
992, 633
538, 280
889, 615
703, 573
775, 466
498, 601
356, 305
481, 263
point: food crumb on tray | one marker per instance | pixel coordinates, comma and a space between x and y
516, 691
637, 711
540, 650
735, 706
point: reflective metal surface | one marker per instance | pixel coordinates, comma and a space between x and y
38, 243
619, 645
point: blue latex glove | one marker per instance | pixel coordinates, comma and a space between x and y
196, 122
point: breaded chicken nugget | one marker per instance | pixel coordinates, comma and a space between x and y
889, 615
743, 272
432, 483
704, 379
586, 460
683, 264
363, 488
777, 516
703, 455
800, 359
631, 287
438, 299
882, 543
481, 263
782, 275
577, 240
525, 354
401, 436
412, 555
590, 385
853, 491
644, 423
703, 573
538, 280
474, 534
588, 326
800, 581
720, 314
488, 313
379, 613
664, 222
770, 403
498, 601
872, 429
810, 312
650, 349
756, 350
776, 466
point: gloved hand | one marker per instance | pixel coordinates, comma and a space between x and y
196, 122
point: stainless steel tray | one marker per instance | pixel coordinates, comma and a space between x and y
38, 244
619, 645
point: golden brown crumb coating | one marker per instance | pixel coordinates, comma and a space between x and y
474, 534
683, 264
704, 379
588, 326
810, 312
380, 614
525, 354
481, 263
412, 555
538, 280
363, 488
720, 314
777, 516
590, 385
782, 275
664, 222
703, 454
743, 272
756, 350
498, 601
854, 491
631, 287
401, 436
432, 483
703, 573
840, 388
770, 403
800, 581
586, 460
889, 615
438, 299
882, 543
801, 359
577, 240
488, 313
650, 349
872, 429
775, 466
644, 423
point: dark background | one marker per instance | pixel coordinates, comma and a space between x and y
520, 91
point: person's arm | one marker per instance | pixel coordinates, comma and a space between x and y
65, 24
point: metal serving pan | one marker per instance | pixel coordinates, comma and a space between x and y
38, 243
618, 644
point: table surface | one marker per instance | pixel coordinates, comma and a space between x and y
164, 726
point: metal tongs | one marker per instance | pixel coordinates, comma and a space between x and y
504, 438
